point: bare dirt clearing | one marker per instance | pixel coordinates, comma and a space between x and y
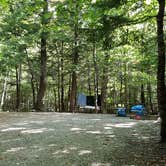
64, 139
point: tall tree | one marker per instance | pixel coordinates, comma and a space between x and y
161, 91
43, 60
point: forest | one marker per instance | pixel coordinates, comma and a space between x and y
53, 50
66, 66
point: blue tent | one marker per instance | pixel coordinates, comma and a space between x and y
81, 100
138, 110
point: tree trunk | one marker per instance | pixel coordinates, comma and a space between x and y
95, 77
142, 95
55, 102
104, 84
33, 90
32, 80
59, 84
149, 90
89, 80
121, 89
18, 87
73, 91
69, 92
4, 90
126, 86
62, 82
43, 63
161, 91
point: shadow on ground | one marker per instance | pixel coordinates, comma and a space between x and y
64, 139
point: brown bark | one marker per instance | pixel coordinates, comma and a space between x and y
43, 63
4, 91
62, 82
95, 77
55, 102
18, 87
32, 80
89, 80
73, 92
161, 91
69, 92
104, 84
126, 86
59, 82
142, 95
149, 91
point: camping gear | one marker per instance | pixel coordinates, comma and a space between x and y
81, 100
121, 112
138, 110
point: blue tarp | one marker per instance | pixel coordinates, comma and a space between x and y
121, 111
81, 100
138, 109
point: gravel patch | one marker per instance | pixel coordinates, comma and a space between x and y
66, 139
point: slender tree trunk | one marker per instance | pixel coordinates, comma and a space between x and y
121, 88
43, 63
104, 84
142, 95
62, 81
135, 95
18, 87
4, 90
89, 80
149, 90
69, 92
32, 80
59, 84
55, 101
114, 100
95, 77
126, 99
161, 91
33, 90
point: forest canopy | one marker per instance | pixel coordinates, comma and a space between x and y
53, 50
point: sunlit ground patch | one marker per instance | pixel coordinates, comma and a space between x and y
52, 145
77, 129
107, 128
65, 151
122, 125
13, 129
57, 121
73, 148
144, 138
22, 124
101, 164
34, 131
83, 152
37, 122
15, 149
111, 136
135, 134
10, 140
96, 119
108, 132
93, 132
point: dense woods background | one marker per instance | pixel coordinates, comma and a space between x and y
50, 51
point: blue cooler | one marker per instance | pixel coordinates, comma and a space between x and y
121, 112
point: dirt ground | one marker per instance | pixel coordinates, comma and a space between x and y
64, 139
